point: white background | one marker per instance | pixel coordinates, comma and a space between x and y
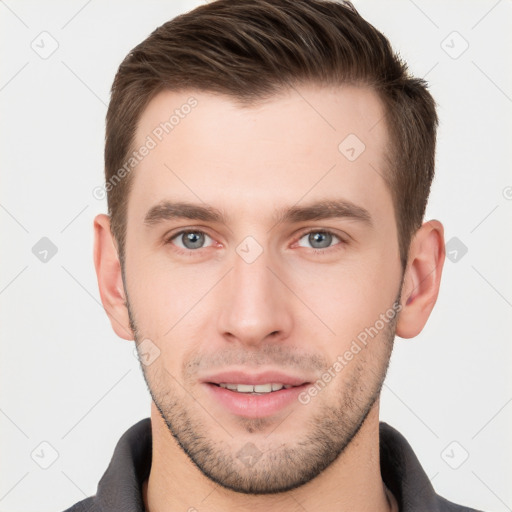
68, 380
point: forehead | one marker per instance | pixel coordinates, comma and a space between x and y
327, 112
306, 142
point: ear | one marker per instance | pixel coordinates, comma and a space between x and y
110, 281
422, 278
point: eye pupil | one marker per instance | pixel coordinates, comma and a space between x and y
319, 237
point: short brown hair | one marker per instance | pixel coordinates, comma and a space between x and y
252, 49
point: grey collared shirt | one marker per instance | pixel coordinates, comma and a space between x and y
120, 488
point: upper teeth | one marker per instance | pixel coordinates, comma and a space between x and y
257, 388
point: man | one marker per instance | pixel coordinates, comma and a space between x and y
268, 165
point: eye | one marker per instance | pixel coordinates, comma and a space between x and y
319, 239
190, 240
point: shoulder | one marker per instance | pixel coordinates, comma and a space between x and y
121, 484
405, 478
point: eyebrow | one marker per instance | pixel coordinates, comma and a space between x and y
327, 209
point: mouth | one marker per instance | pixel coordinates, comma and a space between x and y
255, 396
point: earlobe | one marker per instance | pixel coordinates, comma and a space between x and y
110, 282
422, 278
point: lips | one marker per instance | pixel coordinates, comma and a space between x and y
254, 395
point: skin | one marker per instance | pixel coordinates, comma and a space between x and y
292, 309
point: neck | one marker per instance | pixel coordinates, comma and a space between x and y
352, 483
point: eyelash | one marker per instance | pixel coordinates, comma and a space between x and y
321, 252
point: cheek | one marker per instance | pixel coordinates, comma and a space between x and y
160, 288
171, 308
349, 292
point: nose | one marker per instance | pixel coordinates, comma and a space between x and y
255, 305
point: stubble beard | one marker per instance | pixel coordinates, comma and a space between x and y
281, 466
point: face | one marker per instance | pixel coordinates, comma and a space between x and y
262, 252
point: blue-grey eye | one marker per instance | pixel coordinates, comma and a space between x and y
191, 239
319, 239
